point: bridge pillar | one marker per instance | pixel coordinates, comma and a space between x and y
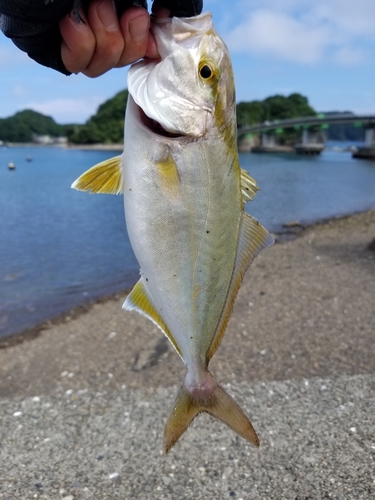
270, 144
312, 143
268, 141
245, 143
368, 151
370, 137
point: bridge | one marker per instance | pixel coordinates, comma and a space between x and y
312, 141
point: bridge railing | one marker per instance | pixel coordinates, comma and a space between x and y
321, 119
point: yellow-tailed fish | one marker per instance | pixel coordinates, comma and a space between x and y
184, 197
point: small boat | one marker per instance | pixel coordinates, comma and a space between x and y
11, 166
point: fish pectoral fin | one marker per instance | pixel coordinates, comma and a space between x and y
139, 300
105, 177
253, 238
249, 187
219, 404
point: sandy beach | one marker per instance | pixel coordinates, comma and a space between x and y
84, 401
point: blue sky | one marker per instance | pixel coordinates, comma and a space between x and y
323, 49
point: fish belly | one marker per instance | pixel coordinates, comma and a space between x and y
183, 211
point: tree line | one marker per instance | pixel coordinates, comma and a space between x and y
107, 125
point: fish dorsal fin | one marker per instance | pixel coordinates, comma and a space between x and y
105, 177
139, 300
253, 238
249, 186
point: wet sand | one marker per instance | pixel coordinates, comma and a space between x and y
304, 317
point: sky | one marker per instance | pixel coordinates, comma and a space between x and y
322, 49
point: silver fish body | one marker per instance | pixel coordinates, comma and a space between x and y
183, 224
184, 195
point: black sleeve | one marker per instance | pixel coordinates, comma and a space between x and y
33, 27
182, 8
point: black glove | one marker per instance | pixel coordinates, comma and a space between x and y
182, 8
33, 24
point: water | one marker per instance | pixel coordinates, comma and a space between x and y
309, 189
60, 248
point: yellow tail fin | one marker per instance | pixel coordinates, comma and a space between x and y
219, 405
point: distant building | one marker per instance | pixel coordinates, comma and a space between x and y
62, 141
47, 139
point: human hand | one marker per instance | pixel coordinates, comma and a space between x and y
103, 41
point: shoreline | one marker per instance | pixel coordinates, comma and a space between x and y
88, 147
69, 314
291, 231
120, 146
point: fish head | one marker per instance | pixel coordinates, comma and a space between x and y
190, 89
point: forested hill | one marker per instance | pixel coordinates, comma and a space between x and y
107, 125
23, 125
276, 107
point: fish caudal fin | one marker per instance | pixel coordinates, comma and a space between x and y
219, 404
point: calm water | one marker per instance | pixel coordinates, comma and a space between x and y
60, 248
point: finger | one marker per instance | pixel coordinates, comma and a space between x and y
78, 43
135, 27
109, 39
157, 11
152, 49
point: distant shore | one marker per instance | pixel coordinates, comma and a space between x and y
88, 147
97, 147
120, 147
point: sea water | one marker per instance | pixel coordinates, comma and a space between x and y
60, 248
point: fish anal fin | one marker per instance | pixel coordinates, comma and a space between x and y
253, 238
219, 404
249, 186
139, 300
105, 177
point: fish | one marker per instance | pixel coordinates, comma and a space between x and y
184, 197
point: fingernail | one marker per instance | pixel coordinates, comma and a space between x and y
138, 28
107, 15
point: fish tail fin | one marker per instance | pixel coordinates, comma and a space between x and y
183, 413
212, 399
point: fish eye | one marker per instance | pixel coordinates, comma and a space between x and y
205, 72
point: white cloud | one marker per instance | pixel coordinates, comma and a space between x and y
67, 110
305, 31
349, 17
279, 35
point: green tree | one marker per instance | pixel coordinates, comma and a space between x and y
276, 107
107, 125
272, 108
23, 125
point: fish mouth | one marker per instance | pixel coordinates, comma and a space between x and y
156, 127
